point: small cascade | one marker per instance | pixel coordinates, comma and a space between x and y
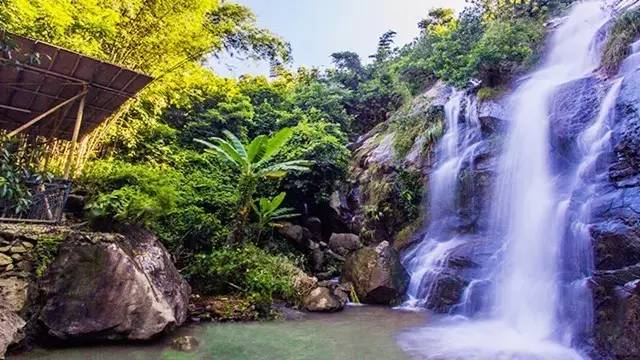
632, 62
428, 260
574, 210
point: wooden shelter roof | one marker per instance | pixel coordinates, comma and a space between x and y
29, 89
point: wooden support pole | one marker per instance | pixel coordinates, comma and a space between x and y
74, 138
45, 114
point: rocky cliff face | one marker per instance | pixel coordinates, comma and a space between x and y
616, 231
615, 217
373, 203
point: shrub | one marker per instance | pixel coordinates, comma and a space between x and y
625, 30
131, 193
491, 49
247, 270
325, 144
409, 127
505, 47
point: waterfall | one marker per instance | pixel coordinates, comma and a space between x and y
536, 282
526, 202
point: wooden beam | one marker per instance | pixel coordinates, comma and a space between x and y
98, 108
45, 114
74, 138
15, 108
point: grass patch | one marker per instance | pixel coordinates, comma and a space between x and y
410, 126
625, 30
46, 250
490, 93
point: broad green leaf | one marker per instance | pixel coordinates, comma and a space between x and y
255, 148
236, 143
275, 143
274, 174
223, 148
277, 201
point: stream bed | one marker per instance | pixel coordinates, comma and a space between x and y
359, 332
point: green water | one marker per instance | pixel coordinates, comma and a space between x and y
356, 333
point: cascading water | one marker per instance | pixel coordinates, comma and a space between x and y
428, 259
539, 302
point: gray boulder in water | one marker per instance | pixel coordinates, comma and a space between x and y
11, 329
326, 299
109, 286
376, 273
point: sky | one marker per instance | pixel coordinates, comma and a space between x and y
317, 28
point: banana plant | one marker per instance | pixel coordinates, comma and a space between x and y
268, 212
253, 162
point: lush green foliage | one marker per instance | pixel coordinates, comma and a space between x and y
131, 193
45, 251
173, 32
489, 50
247, 270
323, 144
148, 169
625, 30
17, 178
412, 125
253, 162
518, 8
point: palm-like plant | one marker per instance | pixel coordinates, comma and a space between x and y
253, 161
268, 211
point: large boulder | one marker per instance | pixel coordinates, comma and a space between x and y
445, 290
109, 286
11, 329
376, 273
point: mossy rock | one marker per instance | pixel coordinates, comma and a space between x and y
376, 273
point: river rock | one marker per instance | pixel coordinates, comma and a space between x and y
18, 249
5, 260
185, 343
475, 185
376, 273
324, 299
314, 224
445, 290
11, 330
298, 236
344, 244
107, 286
625, 171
